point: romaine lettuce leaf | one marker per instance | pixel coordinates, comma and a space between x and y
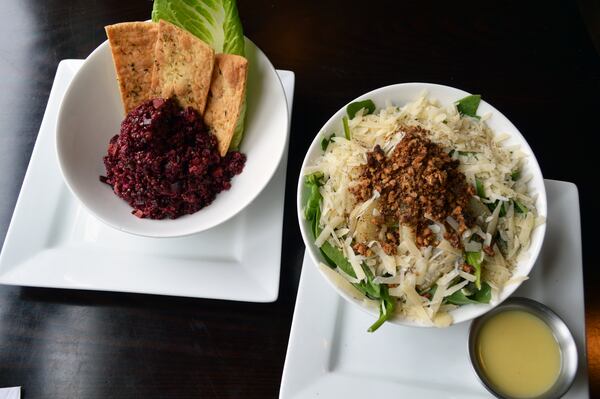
217, 22
238, 133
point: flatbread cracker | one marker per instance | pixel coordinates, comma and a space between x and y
132, 45
226, 96
183, 66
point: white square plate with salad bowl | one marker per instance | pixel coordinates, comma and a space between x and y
61, 245
331, 355
91, 113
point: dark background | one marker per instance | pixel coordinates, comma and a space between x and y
535, 61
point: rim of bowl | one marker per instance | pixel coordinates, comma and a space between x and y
157, 234
560, 330
533, 251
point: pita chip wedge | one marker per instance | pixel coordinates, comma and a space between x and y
226, 96
132, 45
183, 66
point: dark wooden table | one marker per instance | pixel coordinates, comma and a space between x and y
535, 61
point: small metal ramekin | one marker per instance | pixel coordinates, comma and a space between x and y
568, 349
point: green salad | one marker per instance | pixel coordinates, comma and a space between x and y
420, 208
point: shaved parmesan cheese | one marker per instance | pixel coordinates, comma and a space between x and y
445, 280
526, 226
325, 233
452, 222
396, 291
437, 299
446, 246
408, 241
360, 210
397, 279
493, 223
387, 261
516, 280
416, 301
488, 240
473, 246
467, 276
341, 282
354, 262
456, 287
442, 319
347, 276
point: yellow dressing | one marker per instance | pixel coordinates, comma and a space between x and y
519, 354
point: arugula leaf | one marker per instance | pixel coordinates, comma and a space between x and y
474, 259
313, 202
502, 245
216, 22
312, 213
479, 187
516, 175
502, 209
430, 292
484, 295
370, 288
468, 105
386, 309
346, 128
326, 140
314, 179
493, 206
459, 299
354, 107
315, 222
519, 207
335, 257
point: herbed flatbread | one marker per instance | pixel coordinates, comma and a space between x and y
226, 96
183, 66
132, 45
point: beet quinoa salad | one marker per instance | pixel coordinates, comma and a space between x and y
165, 163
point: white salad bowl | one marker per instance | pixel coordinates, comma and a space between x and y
91, 113
399, 95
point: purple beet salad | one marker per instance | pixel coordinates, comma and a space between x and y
165, 163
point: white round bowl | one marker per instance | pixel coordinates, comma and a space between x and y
91, 113
399, 95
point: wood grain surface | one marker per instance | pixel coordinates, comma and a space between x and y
534, 61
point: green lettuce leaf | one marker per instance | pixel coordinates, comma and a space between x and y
474, 259
335, 257
217, 22
238, 133
483, 295
354, 107
468, 105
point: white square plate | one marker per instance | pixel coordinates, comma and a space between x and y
54, 242
330, 354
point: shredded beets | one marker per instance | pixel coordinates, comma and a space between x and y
165, 163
